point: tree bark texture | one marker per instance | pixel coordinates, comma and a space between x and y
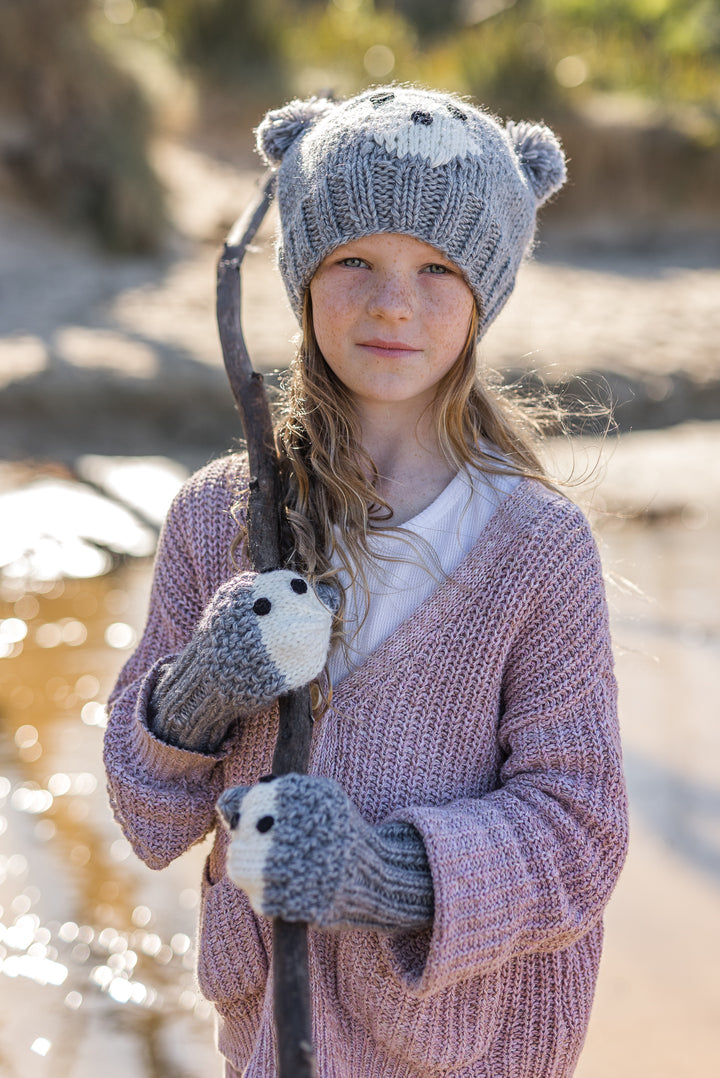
291, 982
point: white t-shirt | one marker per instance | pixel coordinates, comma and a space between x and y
429, 548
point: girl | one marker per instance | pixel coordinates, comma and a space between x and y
464, 821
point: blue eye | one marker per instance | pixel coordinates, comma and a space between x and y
351, 262
437, 269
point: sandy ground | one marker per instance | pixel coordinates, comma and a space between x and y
121, 357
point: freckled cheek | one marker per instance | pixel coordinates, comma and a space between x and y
331, 333
335, 315
332, 302
450, 318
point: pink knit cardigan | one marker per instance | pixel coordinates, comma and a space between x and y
488, 720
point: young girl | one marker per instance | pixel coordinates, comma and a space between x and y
464, 820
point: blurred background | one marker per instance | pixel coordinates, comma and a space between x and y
126, 152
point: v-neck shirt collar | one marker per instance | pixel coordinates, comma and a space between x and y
410, 562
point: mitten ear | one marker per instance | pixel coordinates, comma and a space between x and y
281, 127
229, 805
541, 157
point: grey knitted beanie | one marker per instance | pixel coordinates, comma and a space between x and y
425, 164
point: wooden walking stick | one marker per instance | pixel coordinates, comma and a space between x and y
266, 546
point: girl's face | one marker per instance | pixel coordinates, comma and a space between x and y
391, 315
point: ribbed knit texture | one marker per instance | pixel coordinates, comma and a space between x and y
410, 161
488, 722
301, 851
407, 567
262, 635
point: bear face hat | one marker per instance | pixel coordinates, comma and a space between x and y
416, 162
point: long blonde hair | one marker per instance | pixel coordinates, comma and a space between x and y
330, 482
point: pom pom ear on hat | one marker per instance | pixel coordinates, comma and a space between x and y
417, 162
282, 127
540, 156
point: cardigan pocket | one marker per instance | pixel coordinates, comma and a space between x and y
232, 960
450, 1028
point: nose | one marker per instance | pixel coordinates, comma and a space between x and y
391, 298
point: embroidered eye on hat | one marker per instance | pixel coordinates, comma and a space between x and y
416, 162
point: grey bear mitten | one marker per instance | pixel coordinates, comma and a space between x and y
261, 635
301, 851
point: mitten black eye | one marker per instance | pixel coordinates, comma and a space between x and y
456, 112
298, 586
267, 778
262, 606
381, 99
265, 823
422, 118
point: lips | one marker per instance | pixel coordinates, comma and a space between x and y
392, 349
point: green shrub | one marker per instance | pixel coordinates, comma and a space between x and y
84, 124
229, 41
547, 55
530, 56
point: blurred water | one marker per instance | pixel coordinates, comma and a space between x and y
95, 950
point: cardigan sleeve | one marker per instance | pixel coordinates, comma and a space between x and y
530, 866
164, 797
